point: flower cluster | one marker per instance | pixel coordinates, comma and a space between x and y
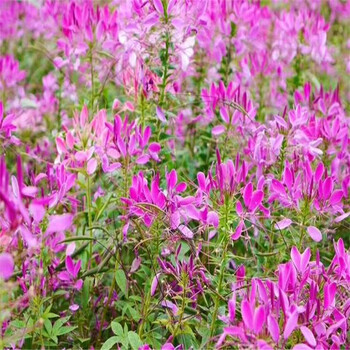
174, 174
307, 299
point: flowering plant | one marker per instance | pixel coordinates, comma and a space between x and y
174, 174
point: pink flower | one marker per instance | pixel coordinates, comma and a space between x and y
59, 223
301, 261
70, 276
10, 74
7, 265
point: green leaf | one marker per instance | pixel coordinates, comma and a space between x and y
77, 238
105, 53
48, 326
84, 340
134, 313
110, 342
18, 324
125, 309
275, 252
134, 340
117, 328
58, 324
60, 292
86, 293
189, 341
121, 280
47, 310
125, 342
135, 297
49, 344
186, 330
233, 29
55, 339
204, 332
65, 330
45, 334
125, 329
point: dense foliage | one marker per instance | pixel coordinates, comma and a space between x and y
174, 174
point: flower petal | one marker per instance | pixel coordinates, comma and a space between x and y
247, 314
273, 328
91, 166
282, 224
309, 337
59, 223
314, 233
291, 324
7, 265
218, 130
154, 284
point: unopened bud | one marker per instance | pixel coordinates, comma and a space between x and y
116, 104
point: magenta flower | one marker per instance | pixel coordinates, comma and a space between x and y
69, 277
149, 133
306, 295
7, 265
10, 73
7, 125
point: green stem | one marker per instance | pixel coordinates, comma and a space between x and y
59, 119
302, 227
183, 305
92, 79
145, 311
142, 110
165, 72
89, 205
228, 133
110, 294
126, 177
166, 58
222, 270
